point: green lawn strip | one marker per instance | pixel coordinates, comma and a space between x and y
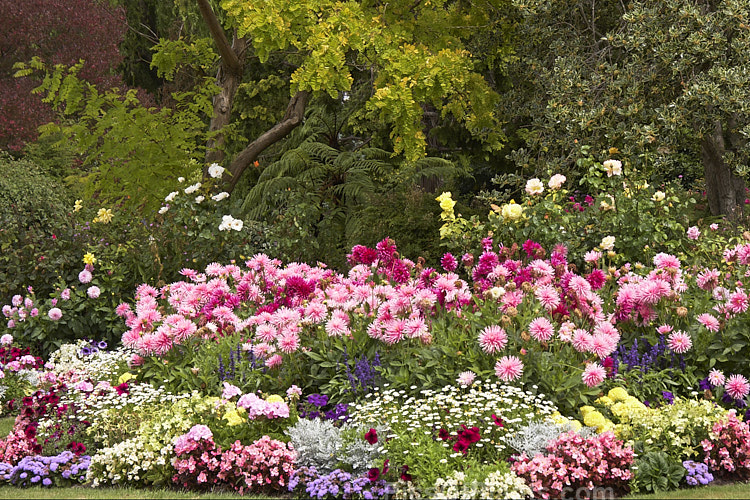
725, 491
124, 493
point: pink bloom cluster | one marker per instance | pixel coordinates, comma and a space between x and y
281, 301
19, 310
257, 407
572, 461
200, 464
727, 451
638, 296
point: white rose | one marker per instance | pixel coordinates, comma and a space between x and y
608, 243
215, 170
171, 196
534, 186
556, 181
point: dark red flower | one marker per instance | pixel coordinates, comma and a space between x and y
385, 466
122, 389
373, 474
498, 421
77, 448
461, 446
371, 436
404, 475
444, 435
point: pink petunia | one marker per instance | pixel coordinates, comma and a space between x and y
679, 342
594, 374
508, 368
493, 339
737, 386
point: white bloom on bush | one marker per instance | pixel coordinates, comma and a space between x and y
164, 209
171, 196
93, 292
192, 189
236, 224
199, 199
180, 179
534, 186
215, 170
55, 314
613, 167
658, 196
221, 196
6, 339
556, 181
608, 243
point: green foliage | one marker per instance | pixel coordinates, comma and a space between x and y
131, 152
656, 471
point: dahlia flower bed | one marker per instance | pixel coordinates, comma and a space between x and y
509, 372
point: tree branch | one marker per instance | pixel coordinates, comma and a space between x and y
228, 56
295, 112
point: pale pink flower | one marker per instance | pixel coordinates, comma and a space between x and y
274, 361
665, 260
337, 327
230, 391
466, 378
592, 256
708, 279
738, 301
6, 339
664, 329
84, 386
508, 368
85, 276
582, 340
716, 377
17, 300
594, 374
547, 295
93, 292
541, 329
54, 314
293, 391
714, 226
266, 332
289, 342
737, 386
693, 232
679, 342
493, 339
707, 320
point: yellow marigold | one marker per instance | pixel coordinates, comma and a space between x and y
275, 398
604, 400
594, 419
577, 426
586, 409
618, 394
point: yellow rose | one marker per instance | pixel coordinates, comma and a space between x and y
446, 202
618, 394
512, 211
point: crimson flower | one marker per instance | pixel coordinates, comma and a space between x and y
371, 436
373, 474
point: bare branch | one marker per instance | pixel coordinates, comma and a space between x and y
228, 56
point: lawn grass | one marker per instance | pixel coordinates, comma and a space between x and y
6, 425
726, 491
123, 493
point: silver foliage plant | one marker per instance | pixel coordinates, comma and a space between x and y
534, 437
326, 447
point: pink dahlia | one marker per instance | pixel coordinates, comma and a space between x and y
716, 377
679, 342
509, 368
493, 339
594, 374
737, 386
707, 320
54, 314
449, 262
85, 276
541, 329
466, 378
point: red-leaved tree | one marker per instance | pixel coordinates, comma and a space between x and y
60, 32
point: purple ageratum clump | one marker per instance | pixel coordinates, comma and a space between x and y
697, 473
34, 470
337, 484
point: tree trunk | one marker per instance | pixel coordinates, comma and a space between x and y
725, 191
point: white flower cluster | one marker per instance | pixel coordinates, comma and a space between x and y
126, 462
450, 407
228, 222
68, 363
497, 484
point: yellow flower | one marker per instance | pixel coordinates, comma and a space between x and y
233, 418
446, 202
512, 211
89, 258
77, 206
586, 409
594, 419
275, 398
125, 377
605, 400
104, 215
618, 394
